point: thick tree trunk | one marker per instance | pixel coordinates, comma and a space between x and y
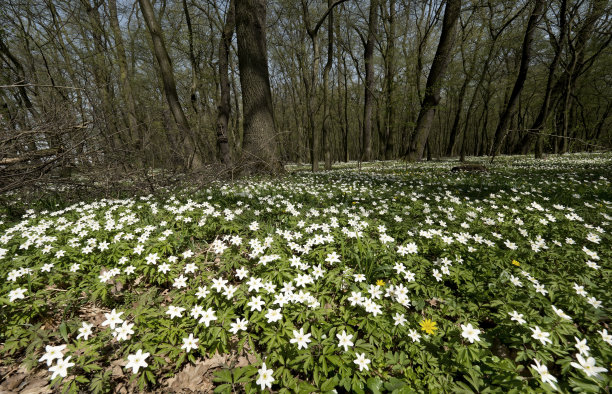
526, 52
260, 150
224, 107
368, 56
194, 160
433, 86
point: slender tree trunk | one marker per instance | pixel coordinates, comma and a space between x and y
224, 107
346, 118
538, 124
457, 119
526, 52
125, 82
100, 76
194, 159
433, 86
368, 57
260, 151
390, 123
328, 65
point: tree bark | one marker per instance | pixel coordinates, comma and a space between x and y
390, 124
125, 84
432, 88
526, 52
326, 131
260, 150
193, 159
368, 57
224, 107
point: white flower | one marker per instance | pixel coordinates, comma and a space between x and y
416, 337
582, 346
238, 325
300, 338
17, 294
355, 298
219, 284
470, 333
122, 332
518, 317
265, 378
229, 291
274, 315
580, 290
361, 361
256, 303
175, 311
544, 374
588, 366
560, 313
190, 343
113, 319
85, 331
207, 317
345, 340
202, 292
593, 301
399, 319
540, 335
332, 258
241, 273
51, 353
196, 311
138, 360
180, 282
605, 336
61, 368
515, 281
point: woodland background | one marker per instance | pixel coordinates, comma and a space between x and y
131, 86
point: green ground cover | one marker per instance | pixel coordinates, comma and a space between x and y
389, 278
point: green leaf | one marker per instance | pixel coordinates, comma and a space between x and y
330, 384
224, 388
375, 384
223, 376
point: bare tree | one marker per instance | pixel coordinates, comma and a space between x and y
193, 159
432, 88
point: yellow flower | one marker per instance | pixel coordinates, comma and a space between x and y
428, 326
516, 263
380, 282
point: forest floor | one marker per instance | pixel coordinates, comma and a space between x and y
386, 277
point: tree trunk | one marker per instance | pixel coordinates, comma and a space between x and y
193, 159
328, 65
125, 83
224, 107
260, 149
526, 52
390, 123
433, 86
101, 78
368, 105
346, 116
455, 127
